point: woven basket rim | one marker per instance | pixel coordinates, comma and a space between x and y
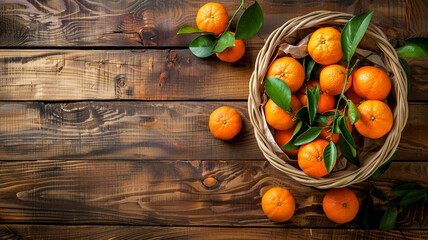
400, 113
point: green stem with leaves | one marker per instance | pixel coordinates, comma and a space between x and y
236, 12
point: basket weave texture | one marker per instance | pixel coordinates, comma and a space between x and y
378, 42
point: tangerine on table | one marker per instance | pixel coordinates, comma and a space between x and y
332, 79
310, 158
278, 118
325, 134
340, 205
225, 123
371, 83
278, 204
212, 17
289, 70
234, 53
282, 137
376, 119
325, 102
324, 46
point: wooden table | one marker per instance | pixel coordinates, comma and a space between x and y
104, 126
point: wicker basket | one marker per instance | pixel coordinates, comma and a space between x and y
370, 161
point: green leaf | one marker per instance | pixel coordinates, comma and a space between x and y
190, 29
308, 64
406, 68
290, 146
367, 210
321, 119
316, 92
344, 131
353, 112
312, 105
403, 189
279, 92
202, 46
389, 218
250, 22
308, 136
353, 32
384, 166
226, 40
413, 196
336, 125
329, 155
348, 151
412, 51
421, 42
302, 113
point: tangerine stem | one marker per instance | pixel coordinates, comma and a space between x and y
230, 21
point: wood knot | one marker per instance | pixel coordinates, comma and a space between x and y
210, 182
121, 80
162, 78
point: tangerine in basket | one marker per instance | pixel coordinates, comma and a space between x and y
325, 134
351, 95
324, 46
278, 204
234, 53
371, 83
310, 158
282, 137
289, 70
278, 118
376, 119
212, 17
332, 79
225, 123
340, 205
325, 102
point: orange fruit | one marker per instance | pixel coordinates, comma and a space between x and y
233, 54
326, 135
340, 205
225, 123
212, 17
371, 83
310, 158
376, 119
351, 95
324, 46
289, 70
278, 204
282, 137
325, 102
332, 79
278, 118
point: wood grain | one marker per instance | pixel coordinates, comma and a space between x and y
145, 130
173, 193
66, 75
144, 232
155, 23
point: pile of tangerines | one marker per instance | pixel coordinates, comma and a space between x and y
367, 88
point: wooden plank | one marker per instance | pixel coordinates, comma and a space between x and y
174, 193
155, 23
55, 75
145, 130
60, 232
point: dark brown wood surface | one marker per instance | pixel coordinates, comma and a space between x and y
104, 126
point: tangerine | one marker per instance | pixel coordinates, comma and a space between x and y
225, 123
234, 53
310, 158
371, 83
324, 46
212, 17
340, 205
332, 79
325, 102
376, 119
289, 70
282, 137
278, 118
278, 204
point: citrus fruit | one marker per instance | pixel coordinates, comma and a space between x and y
371, 83
324, 46
332, 79
234, 53
282, 137
212, 17
289, 70
278, 204
351, 95
376, 119
278, 118
310, 158
325, 134
325, 102
340, 205
225, 123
